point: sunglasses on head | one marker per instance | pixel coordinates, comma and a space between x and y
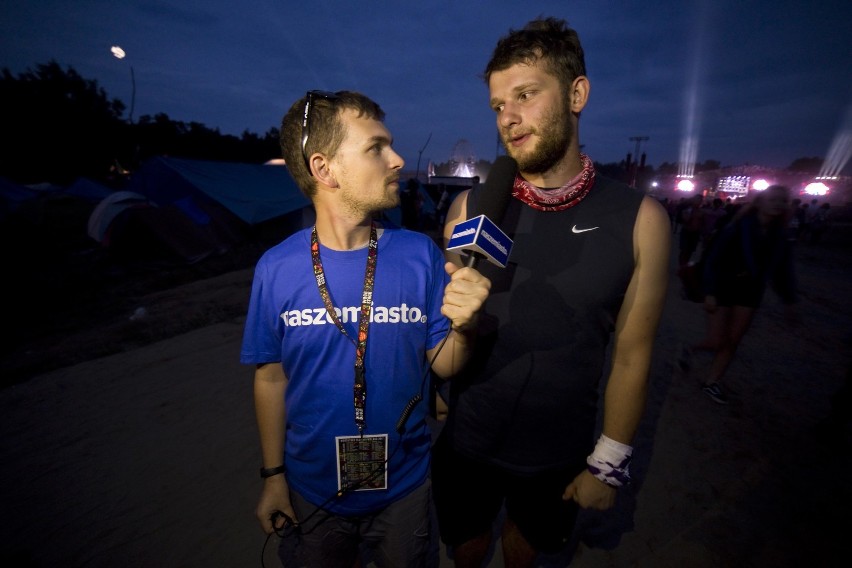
306, 118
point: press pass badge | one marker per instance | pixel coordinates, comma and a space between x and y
362, 462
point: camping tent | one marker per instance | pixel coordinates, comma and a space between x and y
251, 192
54, 216
101, 219
12, 195
131, 225
196, 208
88, 189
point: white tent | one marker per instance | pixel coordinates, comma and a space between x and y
109, 208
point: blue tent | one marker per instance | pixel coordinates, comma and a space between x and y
88, 189
252, 192
197, 208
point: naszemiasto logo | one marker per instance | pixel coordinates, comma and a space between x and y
464, 233
495, 243
379, 314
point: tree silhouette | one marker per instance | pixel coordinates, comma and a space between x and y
159, 135
56, 125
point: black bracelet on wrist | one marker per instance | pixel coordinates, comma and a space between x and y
270, 471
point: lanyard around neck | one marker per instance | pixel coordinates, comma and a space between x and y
363, 319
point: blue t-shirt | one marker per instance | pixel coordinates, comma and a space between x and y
287, 322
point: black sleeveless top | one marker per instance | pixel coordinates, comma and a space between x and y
528, 399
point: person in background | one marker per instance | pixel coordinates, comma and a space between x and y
590, 257
820, 223
797, 219
670, 206
343, 322
443, 203
711, 221
808, 211
678, 208
690, 232
750, 251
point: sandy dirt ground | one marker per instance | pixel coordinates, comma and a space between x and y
149, 458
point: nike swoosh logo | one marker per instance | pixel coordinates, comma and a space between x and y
574, 229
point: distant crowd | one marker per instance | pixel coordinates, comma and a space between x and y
697, 218
728, 253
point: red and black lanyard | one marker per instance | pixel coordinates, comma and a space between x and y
363, 320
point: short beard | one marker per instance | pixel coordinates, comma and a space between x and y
555, 133
355, 204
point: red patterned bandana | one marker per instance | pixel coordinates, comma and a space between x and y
559, 198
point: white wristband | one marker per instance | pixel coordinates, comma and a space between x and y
610, 462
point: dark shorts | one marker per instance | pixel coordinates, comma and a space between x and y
469, 494
740, 290
398, 535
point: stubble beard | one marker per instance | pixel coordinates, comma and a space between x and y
554, 132
355, 204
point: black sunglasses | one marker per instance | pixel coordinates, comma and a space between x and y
306, 118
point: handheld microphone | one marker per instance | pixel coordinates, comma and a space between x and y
480, 237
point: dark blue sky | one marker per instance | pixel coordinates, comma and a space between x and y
754, 82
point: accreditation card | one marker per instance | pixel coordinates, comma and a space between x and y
362, 462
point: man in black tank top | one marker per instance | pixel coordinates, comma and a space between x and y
590, 260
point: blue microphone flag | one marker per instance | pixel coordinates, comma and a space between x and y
480, 235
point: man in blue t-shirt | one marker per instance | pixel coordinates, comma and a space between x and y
344, 322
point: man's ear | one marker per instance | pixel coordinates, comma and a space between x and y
321, 168
579, 94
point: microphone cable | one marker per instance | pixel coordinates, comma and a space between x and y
415, 400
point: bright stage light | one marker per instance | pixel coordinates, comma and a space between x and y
685, 185
760, 184
816, 188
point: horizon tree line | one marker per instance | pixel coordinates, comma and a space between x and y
59, 126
